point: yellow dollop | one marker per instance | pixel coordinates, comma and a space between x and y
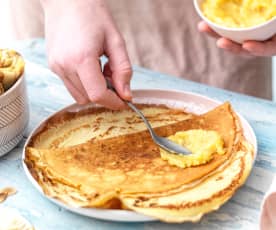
11, 68
202, 143
239, 13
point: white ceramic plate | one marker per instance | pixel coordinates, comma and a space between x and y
175, 99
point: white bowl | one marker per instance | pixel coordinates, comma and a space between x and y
14, 115
260, 32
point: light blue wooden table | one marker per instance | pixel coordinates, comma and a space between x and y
47, 94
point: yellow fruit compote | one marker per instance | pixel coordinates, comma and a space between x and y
11, 68
202, 143
239, 13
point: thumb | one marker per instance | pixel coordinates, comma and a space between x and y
118, 66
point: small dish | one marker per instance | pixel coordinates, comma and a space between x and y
260, 32
14, 115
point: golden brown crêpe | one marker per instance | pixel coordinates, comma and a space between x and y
11, 67
127, 171
73, 128
191, 201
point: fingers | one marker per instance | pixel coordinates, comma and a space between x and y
204, 28
264, 49
248, 48
119, 66
95, 86
75, 80
79, 97
231, 46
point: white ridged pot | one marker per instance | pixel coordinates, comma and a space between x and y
14, 115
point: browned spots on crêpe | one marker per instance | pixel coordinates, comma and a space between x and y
167, 113
58, 141
107, 132
79, 157
142, 198
159, 117
96, 125
133, 120
65, 117
126, 158
219, 178
114, 121
99, 119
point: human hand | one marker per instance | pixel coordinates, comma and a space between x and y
77, 34
248, 48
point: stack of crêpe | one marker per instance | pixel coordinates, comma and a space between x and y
99, 158
11, 68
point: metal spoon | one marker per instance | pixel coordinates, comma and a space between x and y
163, 142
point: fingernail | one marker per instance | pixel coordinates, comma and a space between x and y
127, 90
218, 43
246, 47
223, 46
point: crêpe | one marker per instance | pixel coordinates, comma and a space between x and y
126, 169
72, 128
11, 67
